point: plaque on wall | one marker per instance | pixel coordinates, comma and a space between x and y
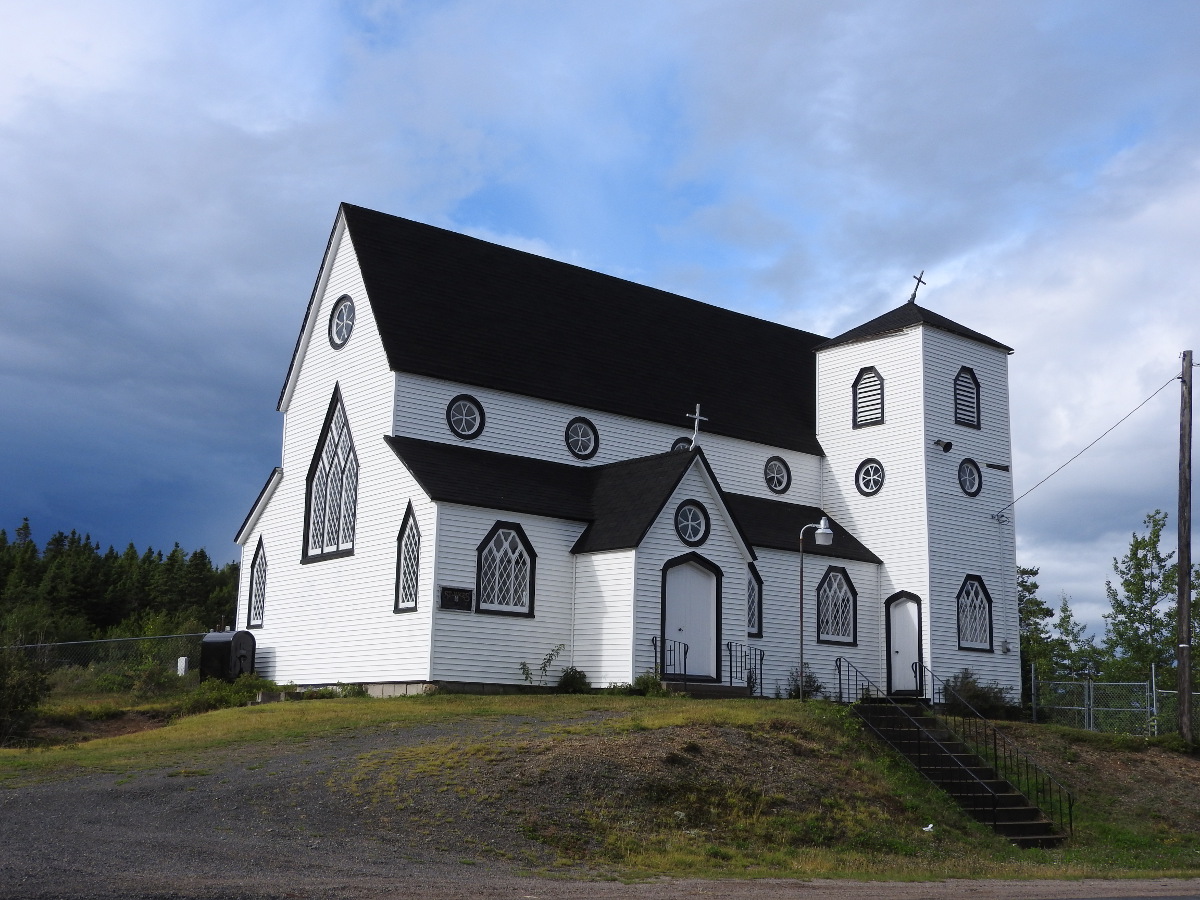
457, 598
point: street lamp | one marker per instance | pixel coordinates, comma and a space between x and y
824, 538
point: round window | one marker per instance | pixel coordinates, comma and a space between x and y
341, 322
691, 523
869, 477
970, 479
464, 415
777, 475
681, 444
582, 439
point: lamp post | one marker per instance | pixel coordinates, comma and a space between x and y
824, 538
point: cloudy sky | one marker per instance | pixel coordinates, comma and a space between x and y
170, 171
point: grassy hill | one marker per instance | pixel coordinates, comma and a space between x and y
636, 786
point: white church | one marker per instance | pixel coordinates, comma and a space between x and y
488, 455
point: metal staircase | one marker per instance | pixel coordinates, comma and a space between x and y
985, 773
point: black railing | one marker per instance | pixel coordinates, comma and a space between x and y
929, 754
671, 658
745, 664
1011, 762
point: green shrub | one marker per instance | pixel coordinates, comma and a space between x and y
23, 686
650, 684
804, 684
574, 681
213, 693
992, 701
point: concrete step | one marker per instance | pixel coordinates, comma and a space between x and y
707, 690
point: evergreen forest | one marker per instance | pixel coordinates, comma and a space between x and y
71, 590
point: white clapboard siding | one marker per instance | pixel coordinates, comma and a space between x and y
780, 643
662, 544
482, 647
964, 538
893, 523
333, 620
527, 426
603, 633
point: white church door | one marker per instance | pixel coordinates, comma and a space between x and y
690, 615
904, 645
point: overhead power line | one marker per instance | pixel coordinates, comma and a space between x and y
999, 515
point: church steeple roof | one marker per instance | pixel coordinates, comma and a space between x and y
904, 317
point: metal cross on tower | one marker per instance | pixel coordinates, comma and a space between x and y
696, 428
920, 281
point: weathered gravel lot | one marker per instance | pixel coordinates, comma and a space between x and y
264, 823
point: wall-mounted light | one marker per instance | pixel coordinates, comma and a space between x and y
945, 445
1005, 647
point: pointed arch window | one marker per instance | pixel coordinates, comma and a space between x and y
408, 562
966, 398
332, 497
258, 587
868, 398
974, 615
837, 608
754, 604
505, 571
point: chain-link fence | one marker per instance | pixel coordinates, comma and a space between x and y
1115, 707
118, 665
1132, 707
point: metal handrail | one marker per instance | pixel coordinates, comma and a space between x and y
672, 660
1005, 756
859, 687
745, 664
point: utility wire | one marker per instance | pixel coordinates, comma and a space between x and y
1001, 518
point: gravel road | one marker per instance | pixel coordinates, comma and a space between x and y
263, 823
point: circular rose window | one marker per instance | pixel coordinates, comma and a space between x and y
869, 477
777, 474
464, 415
582, 439
970, 479
341, 322
691, 523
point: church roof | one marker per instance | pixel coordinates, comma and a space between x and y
775, 525
619, 501
903, 317
454, 307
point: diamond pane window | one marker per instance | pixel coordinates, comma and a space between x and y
333, 487
966, 398
258, 587
408, 562
868, 398
836, 608
754, 605
974, 615
505, 576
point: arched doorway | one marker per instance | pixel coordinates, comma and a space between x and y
691, 611
904, 644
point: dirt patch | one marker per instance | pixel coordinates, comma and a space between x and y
1109, 772
78, 729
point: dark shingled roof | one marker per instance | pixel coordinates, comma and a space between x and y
776, 525
619, 501
455, 307
904, 316
456, 474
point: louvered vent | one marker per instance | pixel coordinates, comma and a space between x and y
966, 398
868, 398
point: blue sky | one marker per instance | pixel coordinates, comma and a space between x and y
170, 173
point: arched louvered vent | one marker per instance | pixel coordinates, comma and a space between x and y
966, 398
868, 398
